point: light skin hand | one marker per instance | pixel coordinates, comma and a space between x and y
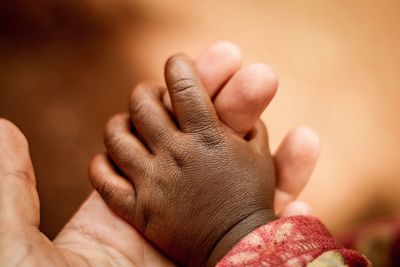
90, 239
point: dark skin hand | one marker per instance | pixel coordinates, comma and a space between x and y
191, 187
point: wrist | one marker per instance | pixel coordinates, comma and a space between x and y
236, 233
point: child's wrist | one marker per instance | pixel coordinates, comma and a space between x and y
235, 234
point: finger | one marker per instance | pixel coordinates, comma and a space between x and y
295, 208
19, 201
149, 116
246, 95
191, 104
295, 160
215, 66
115, 190
126, 150
258, 137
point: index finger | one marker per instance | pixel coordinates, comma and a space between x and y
192, 106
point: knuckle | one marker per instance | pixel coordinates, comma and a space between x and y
138, 97
203, 126
139, 108
211, 140
183, 85
179, 156
144, 90
115, 145
166, 140
19, 176
208, 134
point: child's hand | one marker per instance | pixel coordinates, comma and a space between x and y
195, 190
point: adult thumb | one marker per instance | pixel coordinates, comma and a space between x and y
19, 200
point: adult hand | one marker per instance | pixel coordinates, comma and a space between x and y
95, 236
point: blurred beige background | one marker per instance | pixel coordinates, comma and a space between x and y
66, 66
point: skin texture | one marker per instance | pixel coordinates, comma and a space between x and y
192, 188
240, 95
90, 238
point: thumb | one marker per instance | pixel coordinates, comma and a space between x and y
19, 200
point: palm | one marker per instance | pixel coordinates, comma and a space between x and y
93, 237
105, 239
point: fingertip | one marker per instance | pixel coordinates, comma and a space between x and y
19, 201
305, 143
119, 140
136, 92
221, 50
177, 65
6, 124
14, 151
243, 99
217, 64
98, 169
96, 165
295, 160
296, 208
11, 134
227, 48
115, 124
117, 119
112, 187
308, 135
265, 80
180, 74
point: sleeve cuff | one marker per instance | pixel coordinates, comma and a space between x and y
290, 241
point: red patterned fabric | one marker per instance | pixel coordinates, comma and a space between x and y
291, 241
